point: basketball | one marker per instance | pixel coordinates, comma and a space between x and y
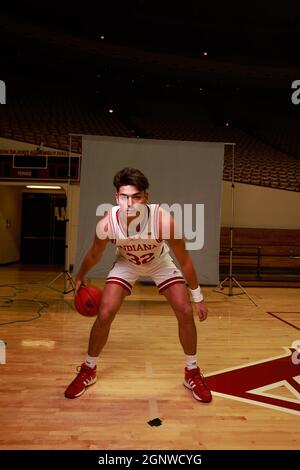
87, 300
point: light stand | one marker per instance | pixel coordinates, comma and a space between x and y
231, 278
69, 285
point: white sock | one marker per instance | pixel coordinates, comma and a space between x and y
90, 361
191, 362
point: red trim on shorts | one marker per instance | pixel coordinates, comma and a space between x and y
168, 280
119, 283
119, 280
171, 283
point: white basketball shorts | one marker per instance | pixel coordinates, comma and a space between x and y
164, 273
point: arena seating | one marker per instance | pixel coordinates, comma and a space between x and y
50, 122
269, 256
255, 162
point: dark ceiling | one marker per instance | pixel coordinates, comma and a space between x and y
232, 52
258, 32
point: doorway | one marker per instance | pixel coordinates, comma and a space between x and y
43, 228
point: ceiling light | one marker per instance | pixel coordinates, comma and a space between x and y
37, 186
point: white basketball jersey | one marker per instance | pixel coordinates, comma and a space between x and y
138, 243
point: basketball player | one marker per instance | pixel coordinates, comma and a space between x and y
138, 230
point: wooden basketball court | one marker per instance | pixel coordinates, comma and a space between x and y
141, 371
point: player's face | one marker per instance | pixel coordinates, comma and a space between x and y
129, 197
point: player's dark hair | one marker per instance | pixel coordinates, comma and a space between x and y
131, 176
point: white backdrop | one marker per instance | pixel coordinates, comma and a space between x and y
178, 172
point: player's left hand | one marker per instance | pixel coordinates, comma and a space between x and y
201, 309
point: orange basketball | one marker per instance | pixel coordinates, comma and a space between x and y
87, 300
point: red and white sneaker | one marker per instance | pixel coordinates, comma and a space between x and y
194, 380
86, 376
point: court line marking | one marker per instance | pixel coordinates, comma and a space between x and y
284, 321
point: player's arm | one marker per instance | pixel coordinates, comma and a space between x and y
185, 261
167, 226
94, 254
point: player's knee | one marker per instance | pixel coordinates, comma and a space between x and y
185, 314
106, 315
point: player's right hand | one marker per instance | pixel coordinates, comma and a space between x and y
78, 283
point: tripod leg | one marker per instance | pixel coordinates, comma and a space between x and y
230, 286
55, 279
244, 291
223, 282
221, 286
68, 280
